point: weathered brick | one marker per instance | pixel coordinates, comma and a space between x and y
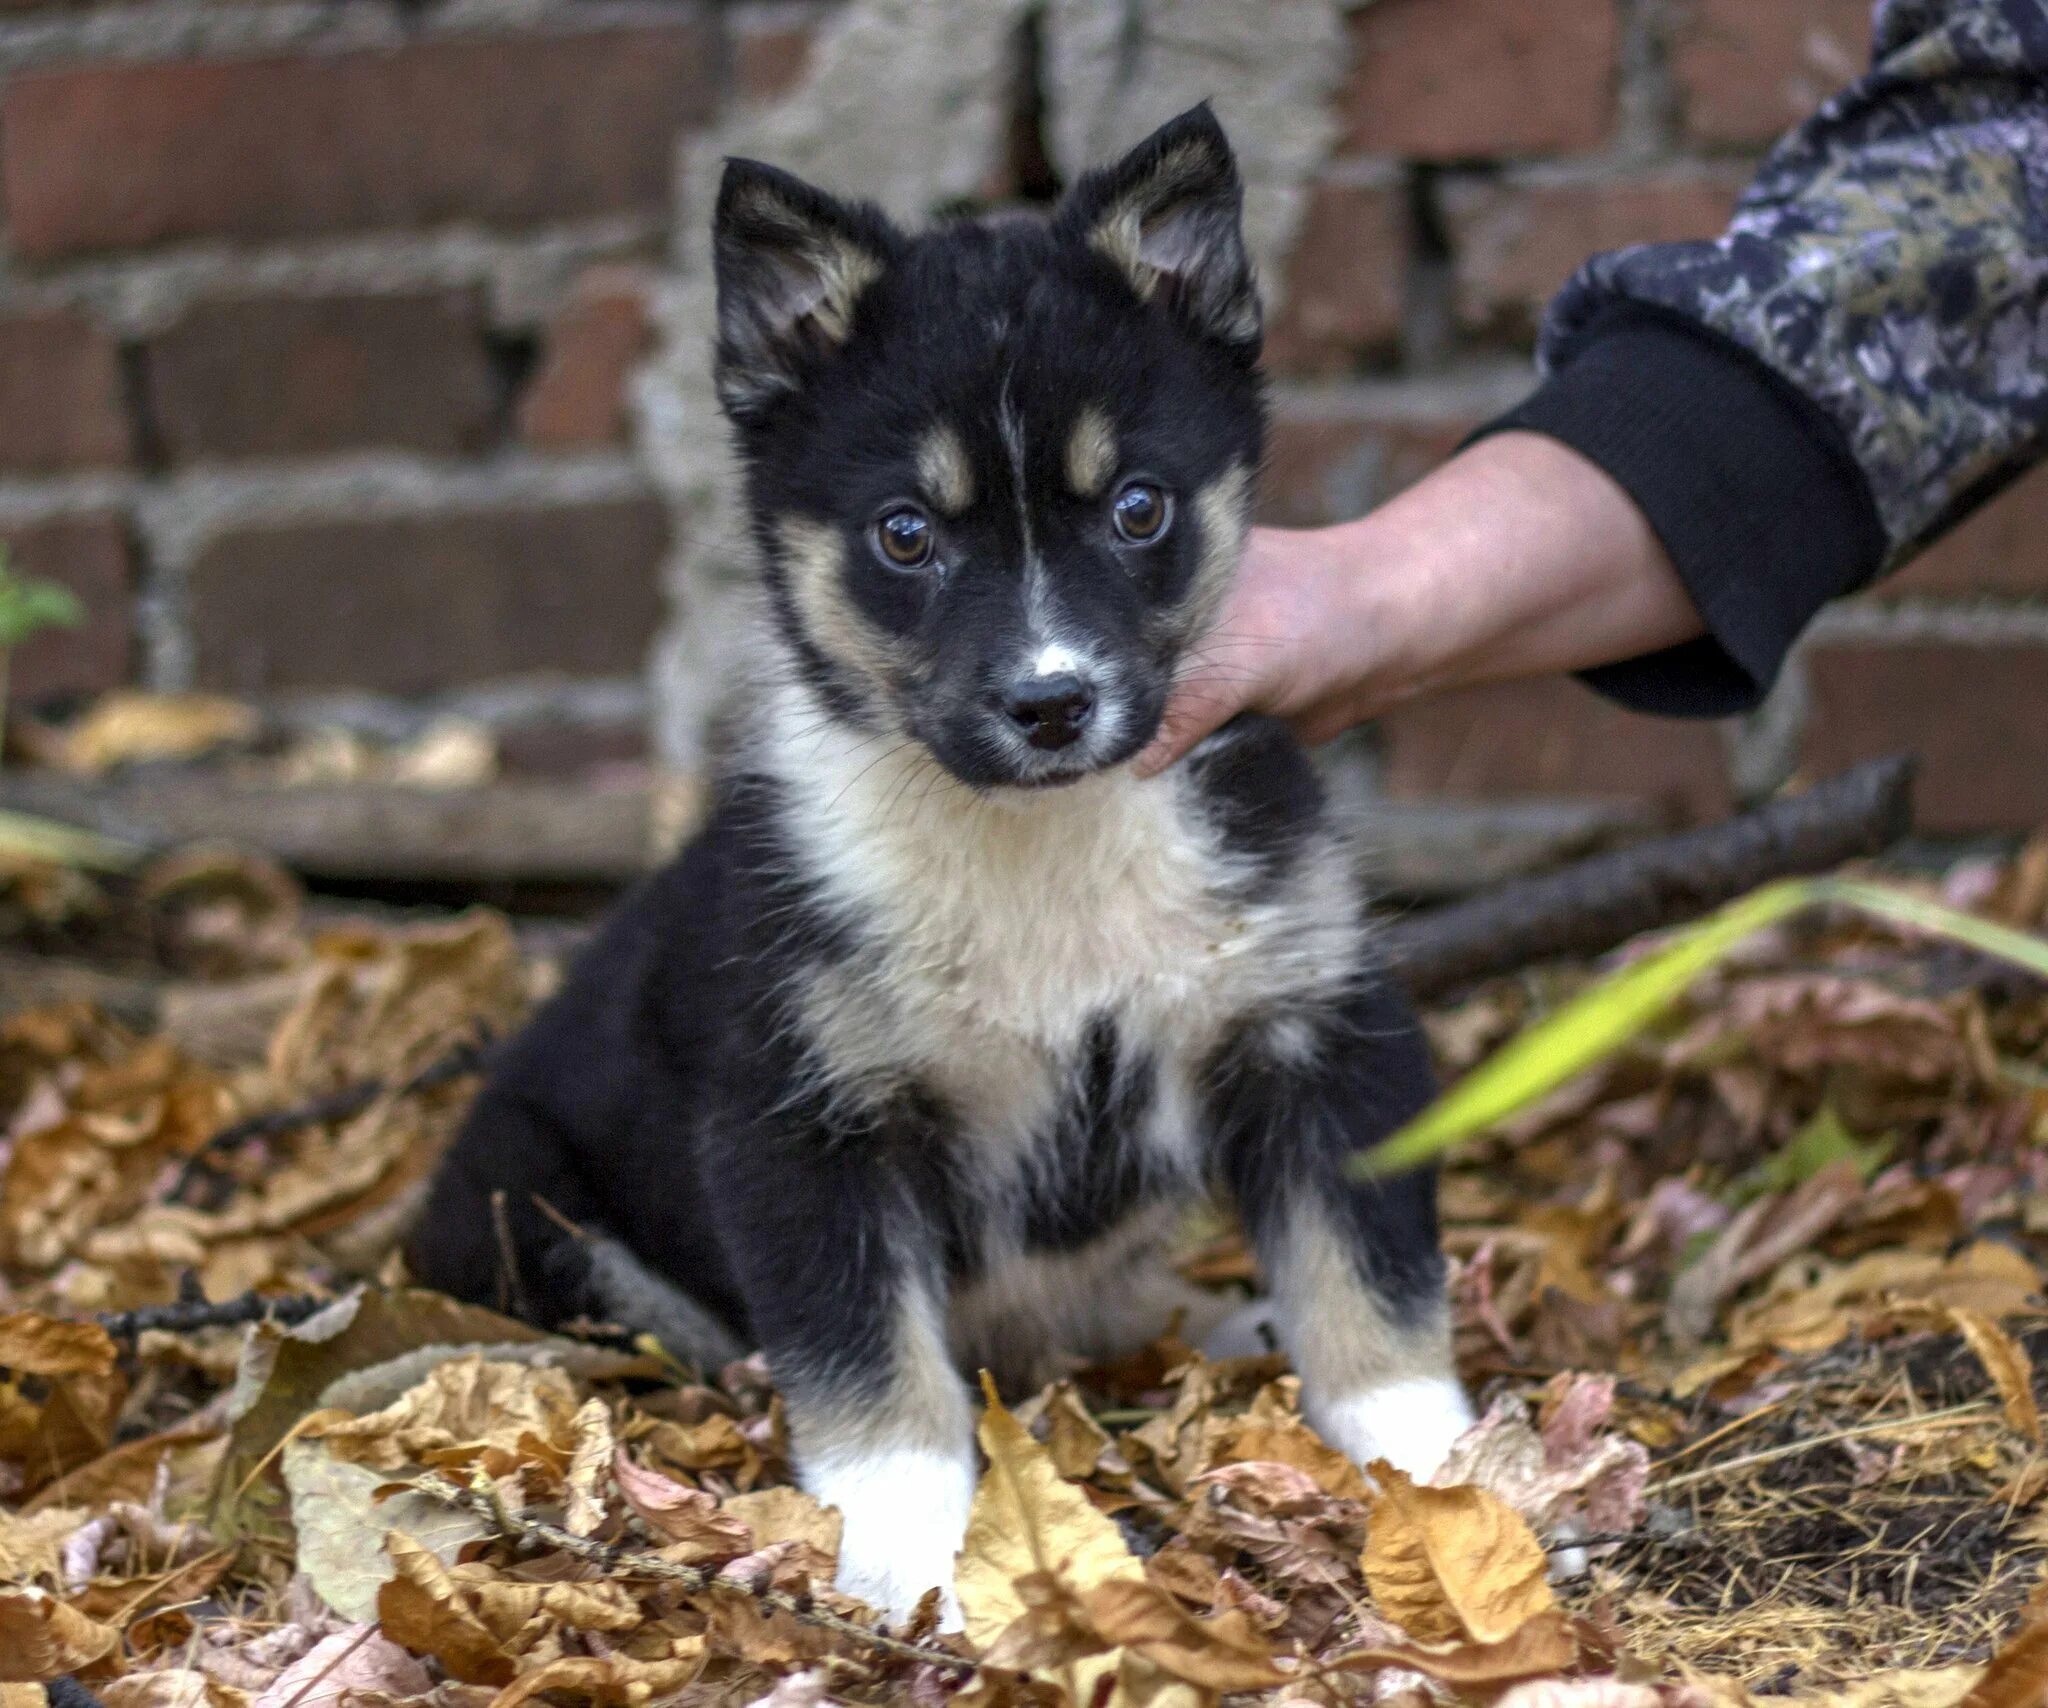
1342, 304
577, 395
1554, 737
1747, 70
2002, 548
91, 556
410, 604
61, 403
1469, 79
1513, 243
1323, 467
297, 376
499, 130
1976, 715
771, 49
564, 749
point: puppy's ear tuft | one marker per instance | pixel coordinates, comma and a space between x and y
1169, 215
791, 263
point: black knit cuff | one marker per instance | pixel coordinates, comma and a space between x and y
1748, 483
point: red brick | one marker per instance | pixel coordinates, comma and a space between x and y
61, 402
297, 376
1323, 468
561, 750
503, 130
1747, 70
2002, 548
769, 59
1554, 737
91, 556
1976, 715
407, 605
1468, 79
1513, 244
1342, 304
577, 395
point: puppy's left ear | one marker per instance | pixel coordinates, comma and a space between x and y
792, 263
1169, 216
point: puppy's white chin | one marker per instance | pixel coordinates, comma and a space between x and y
1411, 1423
906, 1515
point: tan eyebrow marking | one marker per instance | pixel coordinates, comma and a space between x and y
1091, 452
944, 471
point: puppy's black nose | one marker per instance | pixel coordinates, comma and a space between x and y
1051, 711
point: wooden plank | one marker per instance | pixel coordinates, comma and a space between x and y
541, 831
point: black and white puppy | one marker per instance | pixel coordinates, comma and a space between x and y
914, 1058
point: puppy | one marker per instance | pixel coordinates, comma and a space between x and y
911, 1062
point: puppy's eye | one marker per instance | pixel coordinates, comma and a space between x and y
903, 537
1142, 512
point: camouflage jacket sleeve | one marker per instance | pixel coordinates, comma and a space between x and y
1873, 324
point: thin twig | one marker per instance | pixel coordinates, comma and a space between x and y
471, 1056
189, 1315
1792, 1449
484, 1503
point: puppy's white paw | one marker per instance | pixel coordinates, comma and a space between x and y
906, 1514
1411, 1423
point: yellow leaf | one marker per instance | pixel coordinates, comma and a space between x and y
784, 1514
1027, 1519
41, 1638
1455, 1564
37, 1345
590, 1463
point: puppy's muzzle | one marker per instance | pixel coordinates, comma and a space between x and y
1050, 712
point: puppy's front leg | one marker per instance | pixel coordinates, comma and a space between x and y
1355, 1268
843, 1271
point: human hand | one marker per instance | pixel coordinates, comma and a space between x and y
1518, 557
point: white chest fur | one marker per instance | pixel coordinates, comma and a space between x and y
999, 927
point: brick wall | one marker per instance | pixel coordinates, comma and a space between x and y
317, 319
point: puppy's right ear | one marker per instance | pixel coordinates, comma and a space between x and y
791, 263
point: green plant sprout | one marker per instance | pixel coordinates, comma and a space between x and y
27, 607
1604, 1017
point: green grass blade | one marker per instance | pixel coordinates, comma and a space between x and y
1601, 1019
27, 837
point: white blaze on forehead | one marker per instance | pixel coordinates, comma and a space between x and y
944, 471
1054, 661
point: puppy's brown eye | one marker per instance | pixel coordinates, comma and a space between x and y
904, 538
1142, 512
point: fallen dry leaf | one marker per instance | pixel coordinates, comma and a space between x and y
41, 1638
1452, 1563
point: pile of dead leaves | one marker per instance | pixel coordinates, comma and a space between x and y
1753, 1311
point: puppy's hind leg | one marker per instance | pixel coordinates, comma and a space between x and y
1356, 1272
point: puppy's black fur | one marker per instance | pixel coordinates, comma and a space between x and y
911, 1059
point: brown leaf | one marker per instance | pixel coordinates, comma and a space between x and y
35, 1345
785, 1514
421, 1608
172, 1687
2008, 1365
589, 1465
467, 1410
1544, 1643
42, 1638
688, 1520
605, 1678
2018, 1674
1223, 1653
1452, 1563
